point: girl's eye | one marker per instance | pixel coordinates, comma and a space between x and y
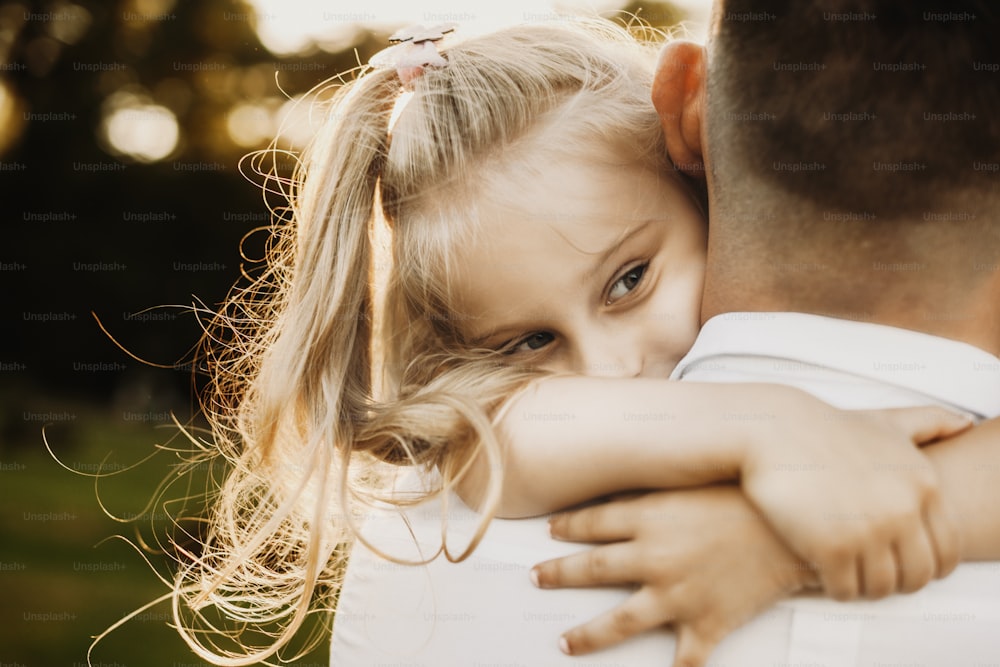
628, 282
530, 343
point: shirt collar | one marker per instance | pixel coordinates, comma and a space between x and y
950, 371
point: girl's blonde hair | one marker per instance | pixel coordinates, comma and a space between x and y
319, 385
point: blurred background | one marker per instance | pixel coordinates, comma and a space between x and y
123, 205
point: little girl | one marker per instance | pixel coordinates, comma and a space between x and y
538, 238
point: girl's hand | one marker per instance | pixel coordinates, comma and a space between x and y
704, 561
851, 494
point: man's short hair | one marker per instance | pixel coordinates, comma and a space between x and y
885, 107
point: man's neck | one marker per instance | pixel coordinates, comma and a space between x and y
937, 289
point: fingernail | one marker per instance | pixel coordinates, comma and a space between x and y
968, 416
534, 577
564, 646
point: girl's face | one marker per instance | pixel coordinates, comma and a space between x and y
589, 268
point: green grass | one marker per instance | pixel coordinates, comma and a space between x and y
62, 581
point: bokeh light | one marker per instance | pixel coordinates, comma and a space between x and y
304, 26
143, 131
10, 127
250, 124
286, 28
72, 25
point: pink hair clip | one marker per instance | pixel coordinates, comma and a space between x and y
414, 48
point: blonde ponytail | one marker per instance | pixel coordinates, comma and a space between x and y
288, 434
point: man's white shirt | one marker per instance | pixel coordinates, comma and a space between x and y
484, 611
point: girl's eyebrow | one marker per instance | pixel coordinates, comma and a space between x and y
484, 338
505, 331
608, 252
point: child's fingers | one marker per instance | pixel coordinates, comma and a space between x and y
841, 576
607, 565
916, 561
641, 612
879, 572
945, 538
693, 648
608, 522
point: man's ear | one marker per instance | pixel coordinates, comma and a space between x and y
679, 96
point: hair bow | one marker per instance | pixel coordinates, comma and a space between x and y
414, 49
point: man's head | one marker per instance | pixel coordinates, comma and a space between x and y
865, 106
838, 138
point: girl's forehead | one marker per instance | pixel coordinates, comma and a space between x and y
586, 201
548, 238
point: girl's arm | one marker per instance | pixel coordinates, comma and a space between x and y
569, 439
969, 468
832, 483
677, 547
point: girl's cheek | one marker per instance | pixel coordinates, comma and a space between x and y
681, 305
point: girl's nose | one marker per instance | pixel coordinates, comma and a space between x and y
610, 355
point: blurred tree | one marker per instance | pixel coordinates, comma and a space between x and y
91, 227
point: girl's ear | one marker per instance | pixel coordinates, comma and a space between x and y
679, 97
